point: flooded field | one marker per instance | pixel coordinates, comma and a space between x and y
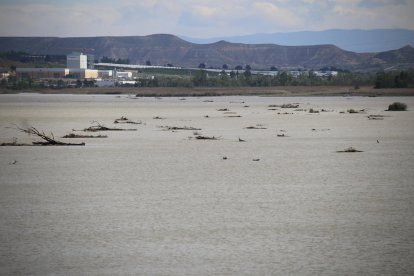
159, 201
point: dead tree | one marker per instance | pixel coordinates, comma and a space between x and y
48, 140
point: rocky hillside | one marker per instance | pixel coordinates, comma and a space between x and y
162, 49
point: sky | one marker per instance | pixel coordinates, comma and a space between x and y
197, 18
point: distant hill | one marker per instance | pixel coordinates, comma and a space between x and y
360, 41
162, 49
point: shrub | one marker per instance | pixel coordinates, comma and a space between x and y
397, 107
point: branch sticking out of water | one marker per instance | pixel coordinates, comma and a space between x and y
48, 140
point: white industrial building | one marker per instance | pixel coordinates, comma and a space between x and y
124, 75
77, 61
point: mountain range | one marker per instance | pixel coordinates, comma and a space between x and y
162, 49
360, 41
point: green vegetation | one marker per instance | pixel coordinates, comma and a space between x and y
395, 79
397, 106
162, 77
105, 59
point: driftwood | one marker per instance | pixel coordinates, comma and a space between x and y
255, 127
376, 117
48, 140
289, 106
74, 135
179, 128
99, 127
233, 116
200, 137
350, 149
284, 105
14, 144
125, 120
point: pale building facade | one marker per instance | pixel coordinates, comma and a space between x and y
77, 61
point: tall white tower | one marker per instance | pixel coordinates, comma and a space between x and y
77, 61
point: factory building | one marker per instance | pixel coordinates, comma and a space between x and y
79, 66
77, 60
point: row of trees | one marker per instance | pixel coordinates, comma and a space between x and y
234, 78
237, 67
200, 78
105, 59
401, 79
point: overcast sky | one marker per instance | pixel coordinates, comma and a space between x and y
197, 18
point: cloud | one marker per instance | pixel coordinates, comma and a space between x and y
275, 14
196, 17
381, 3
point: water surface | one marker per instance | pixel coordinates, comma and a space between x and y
154, 202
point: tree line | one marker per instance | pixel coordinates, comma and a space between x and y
203, 78
402, 79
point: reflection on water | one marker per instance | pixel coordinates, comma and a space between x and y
156, 202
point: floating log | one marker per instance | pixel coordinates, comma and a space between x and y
350, 149
100, 127
376, 117
284, 105
289, 106
200, 137
127, 122
255, 127
74, 135
14, 144
179, 128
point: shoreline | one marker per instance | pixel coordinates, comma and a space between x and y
280, 91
